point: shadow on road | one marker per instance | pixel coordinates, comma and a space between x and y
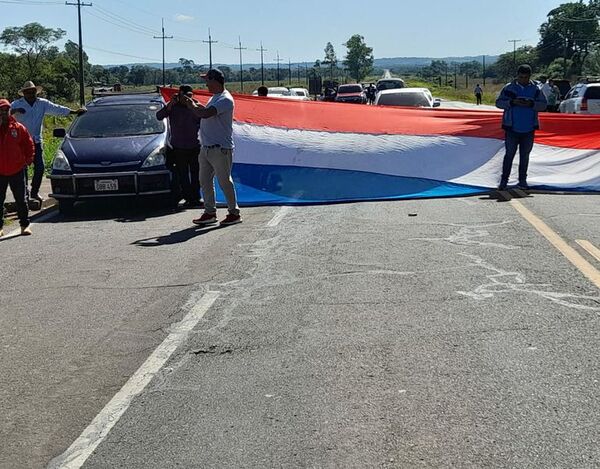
176, 237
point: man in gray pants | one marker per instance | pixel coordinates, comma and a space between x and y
216, 152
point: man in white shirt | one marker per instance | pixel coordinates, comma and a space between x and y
216, 152
30, 111
546, 88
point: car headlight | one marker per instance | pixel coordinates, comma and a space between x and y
61, 163
156, 158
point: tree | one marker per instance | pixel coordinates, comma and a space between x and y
31, 41
359, 57
570, 31
330, 58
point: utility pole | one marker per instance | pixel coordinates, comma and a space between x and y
299, 82
81, 85
514, 41
290, 70
262, 63
210, 42
240, 48
483, 70
163, 37
278, 61
455, 76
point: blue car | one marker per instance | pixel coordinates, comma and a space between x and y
116, 149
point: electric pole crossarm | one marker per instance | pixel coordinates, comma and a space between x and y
79, 4
210, 42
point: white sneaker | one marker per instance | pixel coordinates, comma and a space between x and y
26, 230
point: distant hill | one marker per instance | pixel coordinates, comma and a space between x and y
425, 61
389, 62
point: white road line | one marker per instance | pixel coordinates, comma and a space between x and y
96, 432
281, 213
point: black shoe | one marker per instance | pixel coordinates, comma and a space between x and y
502, 186
193, 204
523, 186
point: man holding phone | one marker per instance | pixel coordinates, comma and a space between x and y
521, 101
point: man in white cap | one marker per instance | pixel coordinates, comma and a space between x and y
30, 111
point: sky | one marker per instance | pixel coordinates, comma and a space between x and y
121, 31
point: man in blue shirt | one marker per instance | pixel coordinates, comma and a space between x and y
30, 111
521, 100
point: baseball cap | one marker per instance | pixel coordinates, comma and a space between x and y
214, 74
4, 103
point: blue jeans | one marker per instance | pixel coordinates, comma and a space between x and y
38, 172
512, 141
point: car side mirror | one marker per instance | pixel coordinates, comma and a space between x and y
59, 133
437, 102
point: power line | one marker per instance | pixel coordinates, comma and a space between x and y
81, 86
126, 21
163, 37
119, 25
123, 54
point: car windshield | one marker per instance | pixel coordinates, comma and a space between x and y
404, 99
300, 93
389, 85
118, 121
593, 92
350, 89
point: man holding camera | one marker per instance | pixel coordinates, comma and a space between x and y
216, 153
521, 101
182, 154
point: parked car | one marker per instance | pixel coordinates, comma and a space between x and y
115, 149
275, 92
390, 84
301, 94
354, 93
412, 97
584, 98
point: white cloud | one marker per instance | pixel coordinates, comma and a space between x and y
183, 18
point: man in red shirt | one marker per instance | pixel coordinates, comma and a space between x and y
16, 152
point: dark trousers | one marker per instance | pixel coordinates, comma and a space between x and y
185, 170
512, 141
38, 172
478, 96
17, 187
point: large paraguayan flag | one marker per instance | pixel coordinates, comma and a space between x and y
304, 152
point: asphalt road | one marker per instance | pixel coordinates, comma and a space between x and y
431, 333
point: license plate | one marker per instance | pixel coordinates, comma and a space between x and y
103, 185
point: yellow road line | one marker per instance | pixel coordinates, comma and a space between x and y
589, 247
570, 253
